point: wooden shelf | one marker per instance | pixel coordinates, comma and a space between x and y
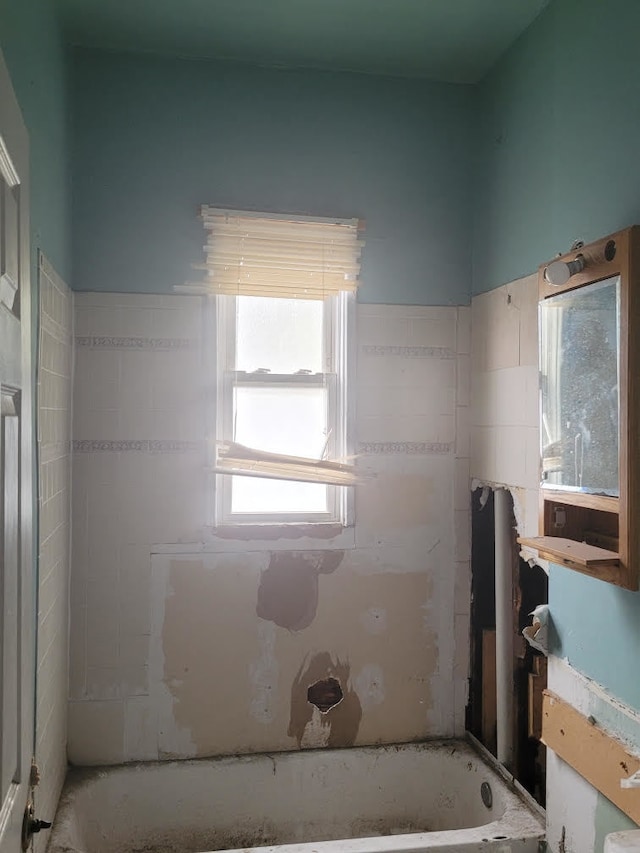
567, 552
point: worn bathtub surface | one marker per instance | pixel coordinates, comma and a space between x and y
410, 797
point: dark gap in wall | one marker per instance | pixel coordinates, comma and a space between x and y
325, 694
529, 588
481, 710
533, 589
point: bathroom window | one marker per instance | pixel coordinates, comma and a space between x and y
282, 389
283, 298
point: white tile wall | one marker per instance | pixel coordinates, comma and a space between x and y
412, 431
54, 483
138, 379
504, 394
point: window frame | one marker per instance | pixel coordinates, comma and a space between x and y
338, 362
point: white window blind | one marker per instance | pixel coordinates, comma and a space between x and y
234, 458
250, 254
258, 254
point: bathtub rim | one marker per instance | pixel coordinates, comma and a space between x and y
77, 774
79, 777
508, 778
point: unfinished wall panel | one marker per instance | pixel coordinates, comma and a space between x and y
191, 644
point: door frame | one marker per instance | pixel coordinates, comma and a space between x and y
14, 167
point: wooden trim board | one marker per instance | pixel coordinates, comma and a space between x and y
598, 757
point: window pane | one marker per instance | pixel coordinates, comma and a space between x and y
580, 364
253, 495
282, 420
280, 335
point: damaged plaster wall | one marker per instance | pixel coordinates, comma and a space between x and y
185, 643
238, 683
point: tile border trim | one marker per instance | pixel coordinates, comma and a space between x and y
408, 448
408, 352
144, 445
137, 344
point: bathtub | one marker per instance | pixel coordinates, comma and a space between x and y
439, 795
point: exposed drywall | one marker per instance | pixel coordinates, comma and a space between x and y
578, 817
238, 684
184, 643
288, 591
155, 138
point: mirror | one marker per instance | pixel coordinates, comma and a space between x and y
580, 381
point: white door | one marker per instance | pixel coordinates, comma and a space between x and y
17, 590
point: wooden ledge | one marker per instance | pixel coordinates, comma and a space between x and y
568, 552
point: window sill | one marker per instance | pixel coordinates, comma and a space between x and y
320, 536
293, 530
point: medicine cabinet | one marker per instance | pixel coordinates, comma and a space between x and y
589, 355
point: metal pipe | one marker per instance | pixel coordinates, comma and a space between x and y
504, 626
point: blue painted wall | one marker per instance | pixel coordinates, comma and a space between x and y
598, 627
32, 47
154, 138
558, 136
559, 127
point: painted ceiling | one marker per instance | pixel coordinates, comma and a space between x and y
449, 40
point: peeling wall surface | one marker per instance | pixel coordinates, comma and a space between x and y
504, 452
577, 814
185, 643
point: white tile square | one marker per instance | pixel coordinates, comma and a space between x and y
463, 395
96, 732
462, 535
434, 332
462, 432
532, 457
511, 455
102, 683
135, 322
141, 729
483, 453
102, 639
463, 329
503, 330
383, 330
462, 590
462, 485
